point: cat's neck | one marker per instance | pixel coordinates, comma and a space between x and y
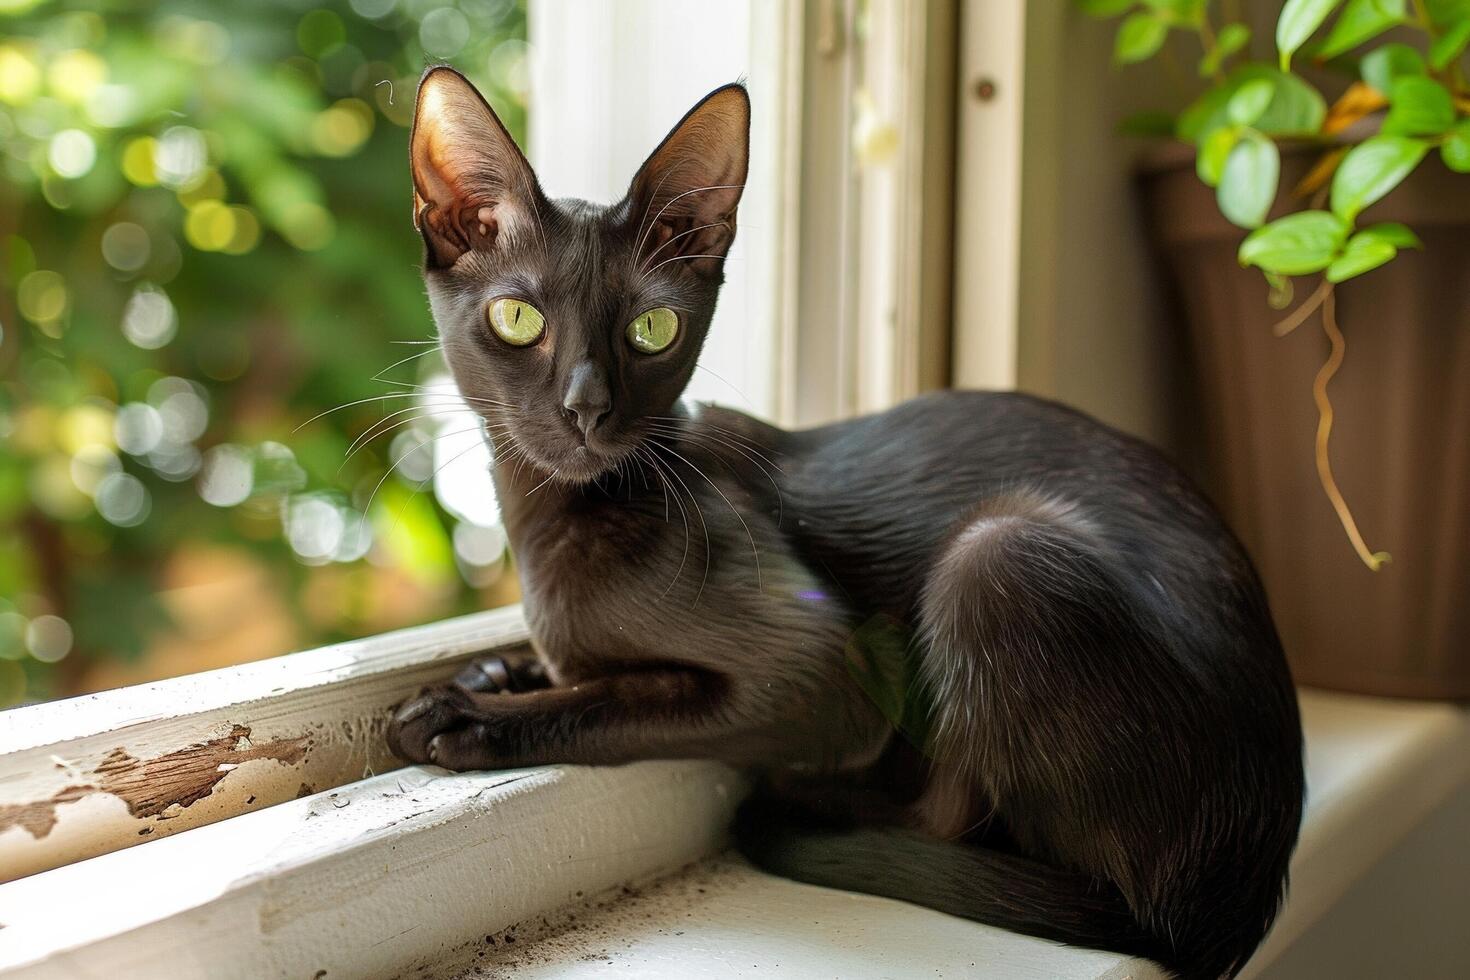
533, 498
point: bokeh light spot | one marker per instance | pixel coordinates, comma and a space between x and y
20, 78
49, 638
71, 153
180, 157
125, 246
343, 128
122, 499
84, 425
210, 226
138, 161
75, 75
148, 319
42, 296
314, 527
444, 32
138, 428
247, 231
228, 475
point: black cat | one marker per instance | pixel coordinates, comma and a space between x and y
984, 653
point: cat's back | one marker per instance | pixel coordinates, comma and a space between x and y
878, 495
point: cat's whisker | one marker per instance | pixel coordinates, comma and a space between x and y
675, 199
726, 382
367, 508
677, 258
754, 551
699, 511
404, 360
643, 226
419, 487
705, 438
675, 238
373, 431
729, 433
360, 401
543, 483
668, 489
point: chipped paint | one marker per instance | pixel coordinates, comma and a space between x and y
39, 817
149, 787
103, 772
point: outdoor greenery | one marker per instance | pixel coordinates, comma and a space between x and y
205, 243
1399, 103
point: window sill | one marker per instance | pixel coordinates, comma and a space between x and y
413, 869
398, 872
1377, 770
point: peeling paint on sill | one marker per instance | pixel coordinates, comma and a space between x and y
150, 787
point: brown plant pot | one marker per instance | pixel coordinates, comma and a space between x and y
1400, 442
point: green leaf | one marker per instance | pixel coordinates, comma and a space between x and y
1295, 245
1139, 36
1232, 38
1397, 235
1371, 170
1443, 12
1250, 101
1214, 150
1361, 20
1205, 113
1455, 150
1419, 106
1296, 108
1248, 183
1382, 65
1103, 8
1298, 20
1362, 253
1450, 45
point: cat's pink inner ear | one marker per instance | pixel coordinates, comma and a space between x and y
472, 186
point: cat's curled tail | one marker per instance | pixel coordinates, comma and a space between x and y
1137, 817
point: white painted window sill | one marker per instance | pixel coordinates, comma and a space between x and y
413, 869
1377, 769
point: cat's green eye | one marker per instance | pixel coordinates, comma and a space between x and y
654, 330
515, 321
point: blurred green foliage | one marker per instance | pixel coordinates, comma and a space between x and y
205, 242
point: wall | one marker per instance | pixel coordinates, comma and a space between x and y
1094, 327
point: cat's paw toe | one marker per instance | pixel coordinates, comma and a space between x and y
497, 675
421, 719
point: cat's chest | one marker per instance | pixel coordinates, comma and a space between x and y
587, 582
635, 585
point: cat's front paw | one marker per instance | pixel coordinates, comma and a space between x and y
501, 675
442, 726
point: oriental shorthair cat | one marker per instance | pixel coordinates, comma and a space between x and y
978, 652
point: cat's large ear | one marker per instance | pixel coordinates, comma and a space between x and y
472, 187
684, 196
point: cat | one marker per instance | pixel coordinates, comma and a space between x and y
981, 652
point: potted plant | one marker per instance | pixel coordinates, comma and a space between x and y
1357, 216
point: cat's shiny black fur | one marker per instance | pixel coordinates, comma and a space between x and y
1109, 754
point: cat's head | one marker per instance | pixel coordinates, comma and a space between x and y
571, 327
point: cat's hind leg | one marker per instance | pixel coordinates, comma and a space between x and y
1058, 710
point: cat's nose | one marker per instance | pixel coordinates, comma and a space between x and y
588, 398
